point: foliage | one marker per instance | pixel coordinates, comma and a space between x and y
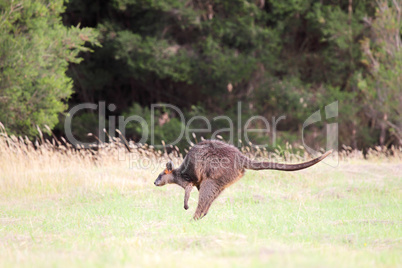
381, 85
278, 58
161, 125
34, 54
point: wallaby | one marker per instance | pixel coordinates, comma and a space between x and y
213, 165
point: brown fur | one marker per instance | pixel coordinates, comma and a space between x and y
212, 166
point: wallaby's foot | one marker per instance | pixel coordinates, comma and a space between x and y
186, 207
197, 217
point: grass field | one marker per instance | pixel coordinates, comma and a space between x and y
61, 210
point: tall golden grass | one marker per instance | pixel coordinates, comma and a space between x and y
21, 152
51, 162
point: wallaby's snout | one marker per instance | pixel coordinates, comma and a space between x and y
158, 181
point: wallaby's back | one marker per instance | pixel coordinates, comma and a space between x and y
212, 159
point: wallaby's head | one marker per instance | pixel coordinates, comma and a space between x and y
166, 176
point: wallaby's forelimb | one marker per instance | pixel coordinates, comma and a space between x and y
187, 192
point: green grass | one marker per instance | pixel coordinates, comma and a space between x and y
349, 216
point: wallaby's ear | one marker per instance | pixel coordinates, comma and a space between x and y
169, 165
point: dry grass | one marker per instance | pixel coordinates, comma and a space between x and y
19, 154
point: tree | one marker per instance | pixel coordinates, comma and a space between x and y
34, 55
285, 57
382, 83
172, 51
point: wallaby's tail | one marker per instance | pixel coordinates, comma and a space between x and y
255, 165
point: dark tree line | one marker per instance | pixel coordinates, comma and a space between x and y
276, 57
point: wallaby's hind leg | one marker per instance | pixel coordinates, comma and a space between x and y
209, 191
